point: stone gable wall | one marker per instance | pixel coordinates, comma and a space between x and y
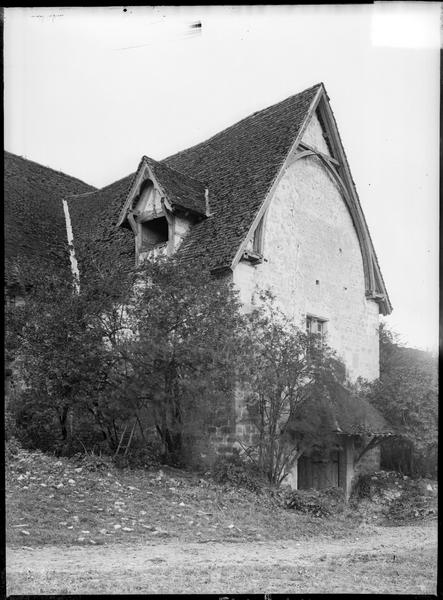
313, 264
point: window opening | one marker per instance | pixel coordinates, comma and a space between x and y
316, 326
154, 233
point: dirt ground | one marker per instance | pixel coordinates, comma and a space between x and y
379, 560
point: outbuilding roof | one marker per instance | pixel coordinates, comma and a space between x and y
352, 414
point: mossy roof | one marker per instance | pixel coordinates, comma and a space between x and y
34, 223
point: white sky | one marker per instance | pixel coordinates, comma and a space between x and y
88, 91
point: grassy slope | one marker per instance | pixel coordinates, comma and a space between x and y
50, 501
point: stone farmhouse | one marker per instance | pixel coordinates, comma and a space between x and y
271, 203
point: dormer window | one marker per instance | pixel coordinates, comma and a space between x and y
153, 233
160, 208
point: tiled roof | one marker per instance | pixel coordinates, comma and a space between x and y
182, 190
33, 211
239, 166
94, 217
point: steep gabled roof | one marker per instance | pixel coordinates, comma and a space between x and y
239, 166
34, 220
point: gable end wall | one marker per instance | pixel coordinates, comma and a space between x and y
309, 238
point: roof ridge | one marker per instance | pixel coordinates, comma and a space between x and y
166, 166
48, 168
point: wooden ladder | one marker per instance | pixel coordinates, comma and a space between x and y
120, 446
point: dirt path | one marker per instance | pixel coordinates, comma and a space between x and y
213, 566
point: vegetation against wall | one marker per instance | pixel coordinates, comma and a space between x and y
155, 346
407, 395
291, 375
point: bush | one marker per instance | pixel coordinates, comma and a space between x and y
35, 429
319, 503
141, 456
234, 470
396, 497
92, 462
379, 486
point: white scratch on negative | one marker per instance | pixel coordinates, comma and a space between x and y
70, 236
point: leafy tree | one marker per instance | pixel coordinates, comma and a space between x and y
57, 339
183, 354
407, 395
157, 344
291, 377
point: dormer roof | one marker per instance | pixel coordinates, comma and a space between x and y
178, 190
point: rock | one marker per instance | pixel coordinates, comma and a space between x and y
71, 481
103, 531
127, 529
117, 526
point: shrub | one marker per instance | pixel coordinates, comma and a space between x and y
415, 503
396, 497
35, 429
141, 456
234, 470
319, 503
92, 462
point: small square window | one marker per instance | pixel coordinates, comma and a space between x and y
315, 326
